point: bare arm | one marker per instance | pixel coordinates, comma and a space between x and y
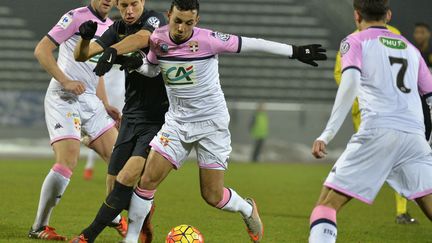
134, 42
85, 49
44, 54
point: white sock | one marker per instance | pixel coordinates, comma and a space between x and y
238, 204
117, 219
138, 210
52, 189
323, 233
91, 158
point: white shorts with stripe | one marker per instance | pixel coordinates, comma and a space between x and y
211, 140
68, 115
379, 155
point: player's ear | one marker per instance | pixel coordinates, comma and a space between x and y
388, 16
197, 19
357, 18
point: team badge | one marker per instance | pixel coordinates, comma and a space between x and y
154, 22
193, 46
344, 47
221, 36
164, 140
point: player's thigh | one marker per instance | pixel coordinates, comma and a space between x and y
95, 120
62, 116
366, 162
214, 149
104, 144
425, 203
412, 175
170, 143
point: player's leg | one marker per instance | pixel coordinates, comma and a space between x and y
323, 227
227, 199
55, 183
425, 203
156, 170
402, 215
90, 164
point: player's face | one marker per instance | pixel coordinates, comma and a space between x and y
421, 35
103, 6
181, 23
130, 10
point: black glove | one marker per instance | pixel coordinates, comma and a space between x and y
106, 61
87, 30
309, 54
130, 63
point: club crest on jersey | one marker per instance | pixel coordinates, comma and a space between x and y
193, 46
221, 36
154, 22
164, 48
344, 47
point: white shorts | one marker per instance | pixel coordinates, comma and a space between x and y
211, 140
115, 87
379, 155
66, 114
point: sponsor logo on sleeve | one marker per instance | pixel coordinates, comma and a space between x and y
221, 36
66, 20
344, 47
154, 22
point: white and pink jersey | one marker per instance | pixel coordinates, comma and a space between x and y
393, 74
66, 34
191, 74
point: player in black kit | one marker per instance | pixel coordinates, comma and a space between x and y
143, 114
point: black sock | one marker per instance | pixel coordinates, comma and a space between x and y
115, 202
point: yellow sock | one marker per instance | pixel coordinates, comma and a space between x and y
401, 204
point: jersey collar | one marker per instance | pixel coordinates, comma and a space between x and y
95, 13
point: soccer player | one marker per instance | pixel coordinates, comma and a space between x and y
387, 74
402, 215
143, 113
72, 107
198, 116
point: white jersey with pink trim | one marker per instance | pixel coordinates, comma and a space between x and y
191, 74
393, 74
66, 34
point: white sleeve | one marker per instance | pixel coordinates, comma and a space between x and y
148, 69
261, 45
346, 94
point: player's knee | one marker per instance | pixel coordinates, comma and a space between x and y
128, 178
212, 197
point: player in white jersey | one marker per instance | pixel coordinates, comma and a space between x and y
71, 106
198, 116
387, 74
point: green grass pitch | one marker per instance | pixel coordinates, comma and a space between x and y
285, 194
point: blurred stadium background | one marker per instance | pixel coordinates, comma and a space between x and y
298, 97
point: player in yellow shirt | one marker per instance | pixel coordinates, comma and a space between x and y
402, 215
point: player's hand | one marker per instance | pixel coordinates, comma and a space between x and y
131, 63
74, 86
106, 61
319, 149
309, 54
114, 113
87, 30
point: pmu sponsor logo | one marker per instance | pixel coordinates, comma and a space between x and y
393, 43
179, 75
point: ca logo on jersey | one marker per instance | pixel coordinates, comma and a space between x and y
179, 75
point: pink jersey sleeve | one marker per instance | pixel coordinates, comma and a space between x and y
351, 53
424, 78
151, 55
65, 28
224, 43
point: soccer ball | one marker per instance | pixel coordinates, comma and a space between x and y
184, 234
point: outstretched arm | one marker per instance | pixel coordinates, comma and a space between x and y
307, 54
85, 49
345, 96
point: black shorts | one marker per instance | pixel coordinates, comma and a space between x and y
133, 139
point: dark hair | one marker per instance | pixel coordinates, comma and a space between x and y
185, 5
372, 10
422, 24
